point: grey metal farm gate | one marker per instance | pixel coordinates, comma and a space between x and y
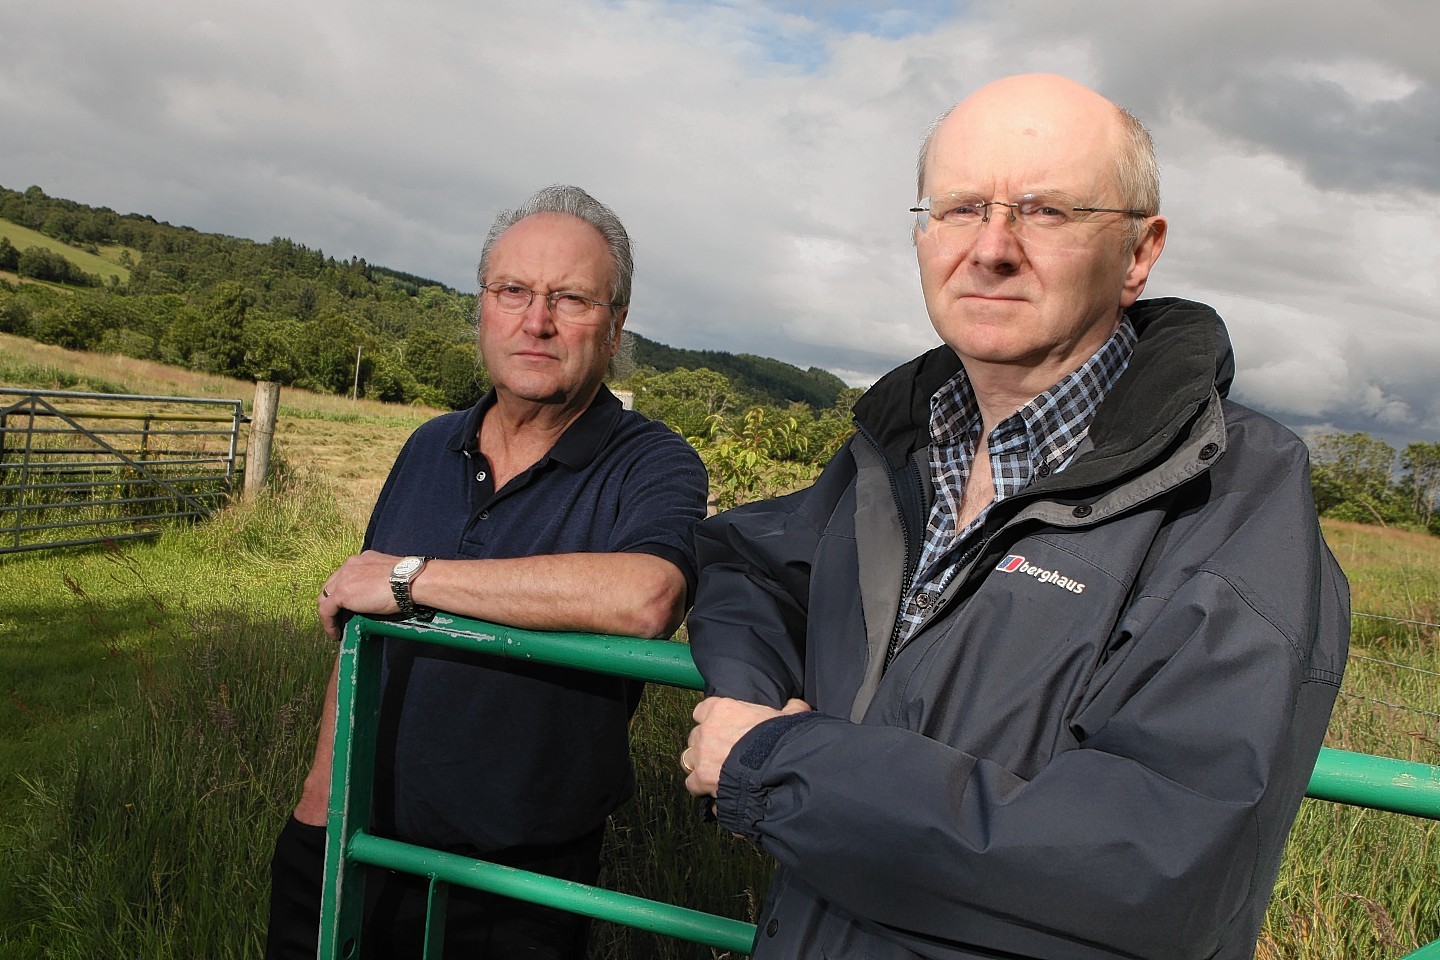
83, 468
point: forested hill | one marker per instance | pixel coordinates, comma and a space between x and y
774, 381
90, 278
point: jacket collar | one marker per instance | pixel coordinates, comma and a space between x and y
1182, 356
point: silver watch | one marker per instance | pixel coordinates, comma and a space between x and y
401, 576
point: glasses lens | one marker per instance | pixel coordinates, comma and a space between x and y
571, 306
1043, 213
510, 297
951, 210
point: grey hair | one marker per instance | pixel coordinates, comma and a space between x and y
925, 151
563, 198
1137, 174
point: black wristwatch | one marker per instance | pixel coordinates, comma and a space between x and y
401, 576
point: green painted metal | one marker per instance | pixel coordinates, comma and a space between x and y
1382, 783
1430, 951
733, 935
1358, 779
437, 904
342, 901
660, 661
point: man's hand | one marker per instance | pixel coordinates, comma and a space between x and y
720, 723
360, 585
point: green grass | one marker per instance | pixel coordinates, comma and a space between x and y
159, 702
48, 377
105, 264
396, 415
159, 713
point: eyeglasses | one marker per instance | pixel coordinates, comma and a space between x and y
571, 307
1033, 217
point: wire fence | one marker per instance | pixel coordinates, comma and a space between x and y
1393, 665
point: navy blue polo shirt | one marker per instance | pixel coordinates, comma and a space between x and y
476, 753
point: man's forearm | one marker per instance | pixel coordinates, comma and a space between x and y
314, 804
631, 594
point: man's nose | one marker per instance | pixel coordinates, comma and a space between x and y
539, 315
997, 244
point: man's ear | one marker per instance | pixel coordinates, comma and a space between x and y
617, 323
1143, 257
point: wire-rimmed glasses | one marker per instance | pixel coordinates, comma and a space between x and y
1035, 218
566, 305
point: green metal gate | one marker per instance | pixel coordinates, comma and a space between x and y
1380, 783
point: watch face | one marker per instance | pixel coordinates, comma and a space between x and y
407, 567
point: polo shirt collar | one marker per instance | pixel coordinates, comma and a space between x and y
577, 446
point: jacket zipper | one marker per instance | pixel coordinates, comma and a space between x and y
892, 647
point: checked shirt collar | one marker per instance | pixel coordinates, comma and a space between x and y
1038, 439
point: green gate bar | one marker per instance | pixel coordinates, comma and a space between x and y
1380, 783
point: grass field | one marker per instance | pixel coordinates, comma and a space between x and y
105, 265
160, 700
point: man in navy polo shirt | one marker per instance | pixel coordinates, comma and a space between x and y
546, 506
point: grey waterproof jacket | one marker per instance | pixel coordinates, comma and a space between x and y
1096, 744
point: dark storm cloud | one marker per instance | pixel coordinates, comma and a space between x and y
1340, 140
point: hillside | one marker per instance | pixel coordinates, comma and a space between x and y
89, 278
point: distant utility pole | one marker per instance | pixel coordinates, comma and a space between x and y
355, 390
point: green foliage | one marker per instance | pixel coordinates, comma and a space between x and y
15, 316
760, 456
1352, 478
761, 451
1421, 481
761, 380
37, 263
75, 323
686, 400
127, 343
445, 368
277, 311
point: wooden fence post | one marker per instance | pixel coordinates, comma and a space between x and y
262, 436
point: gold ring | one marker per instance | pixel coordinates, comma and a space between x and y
324, 592
685, 764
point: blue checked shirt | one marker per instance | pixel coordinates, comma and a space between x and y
1038, 439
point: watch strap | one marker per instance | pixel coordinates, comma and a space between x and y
400, 589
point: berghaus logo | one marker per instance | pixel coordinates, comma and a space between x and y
1018, 564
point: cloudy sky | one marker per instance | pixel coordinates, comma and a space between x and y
762, 154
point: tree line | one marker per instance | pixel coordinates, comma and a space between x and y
1353, 477
284, 312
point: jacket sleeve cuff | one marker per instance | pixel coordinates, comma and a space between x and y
741, 796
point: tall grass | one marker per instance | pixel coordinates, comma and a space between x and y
1361, 883
162, 712
153, 839
164, 697
657, 847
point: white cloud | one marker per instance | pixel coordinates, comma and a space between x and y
762, 154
